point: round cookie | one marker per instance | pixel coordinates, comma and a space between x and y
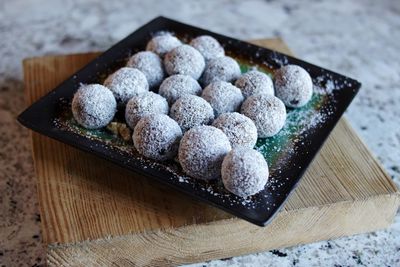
163, 43
255, 82
201, 152
267, 112
244, 171
143, 105
126, 83
223, 97
208, 46
293, 85
240, 130
176, 86
157, 137
220, 69
150, 64
93, 106
184, 60
190, 111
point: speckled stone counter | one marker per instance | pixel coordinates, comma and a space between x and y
359, 39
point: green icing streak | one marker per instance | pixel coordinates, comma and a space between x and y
68, 122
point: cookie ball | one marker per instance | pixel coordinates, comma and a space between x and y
157, 137
143, 105
126, 83
150, 64
223, 97
163, 43
184, 60
255, 82
221, 69
293, 85
93, 106
244, 171
190, 111
208, 46
240, 130
267, 112
201, 152
176, 86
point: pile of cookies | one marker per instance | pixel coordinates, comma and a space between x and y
191, 102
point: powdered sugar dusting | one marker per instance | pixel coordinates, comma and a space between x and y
176, 86
157, 137
293, 85
162, 43
244, 171
223, 97
190, 111
126, 83
240, 130
267, 112
202, 150
208, 46
93, 106
184, 60
144, 105
255, 82
220, 69
150, 64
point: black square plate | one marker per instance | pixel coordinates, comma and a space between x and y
289, 153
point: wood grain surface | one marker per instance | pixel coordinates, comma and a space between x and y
97, 214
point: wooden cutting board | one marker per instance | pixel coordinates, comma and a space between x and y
95, 213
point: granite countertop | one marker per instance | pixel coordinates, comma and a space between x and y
357, 38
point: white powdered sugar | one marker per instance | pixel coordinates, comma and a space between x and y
201, 152
143, 105
293, 85
157, 137
255, 82
240, 130
244, 171
126, 83
190, 111
176, 86
93, 106
185, 60
208, 46
267, 112
221, 69
150, 64
162, 43
223, 97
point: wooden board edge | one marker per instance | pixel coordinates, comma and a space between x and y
177, 247
379, 165
31, 60
27, 96
39, 192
